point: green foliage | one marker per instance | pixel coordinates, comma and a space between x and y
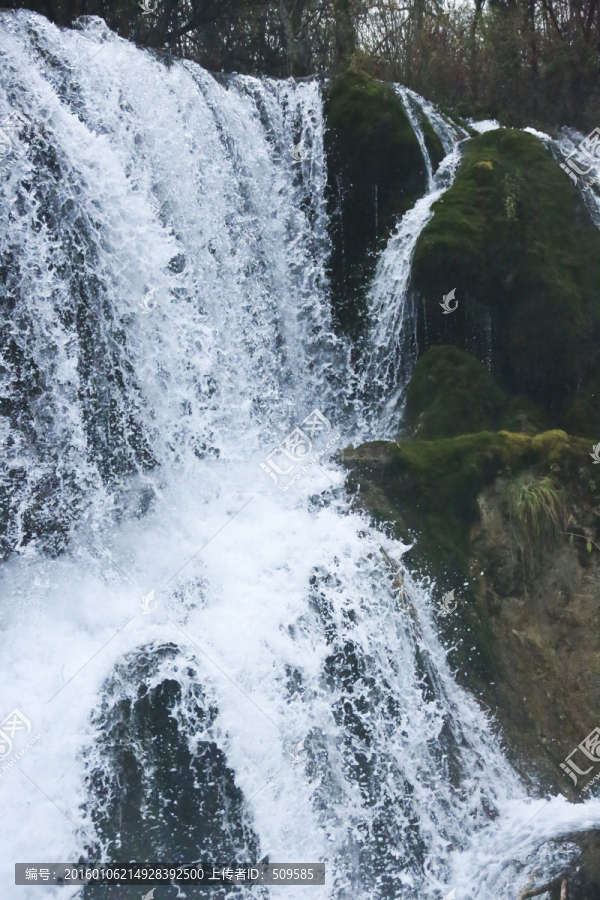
435, 484
537, 505
492, 60
513, 60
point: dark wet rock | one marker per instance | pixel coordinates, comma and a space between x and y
160, 788
376, 172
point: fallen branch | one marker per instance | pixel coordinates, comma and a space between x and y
545, 888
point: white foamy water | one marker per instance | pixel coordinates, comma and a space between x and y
413, 110
391, 349
132, 447
584, 173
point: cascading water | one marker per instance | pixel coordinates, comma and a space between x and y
165, 325
584, 170
414, 112
390, 346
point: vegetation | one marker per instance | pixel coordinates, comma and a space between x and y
537, 510
451, 393
537, 504
522, 61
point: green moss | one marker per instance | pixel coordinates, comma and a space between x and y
434, 485
519, 246
427, 491
451, 392
375, 173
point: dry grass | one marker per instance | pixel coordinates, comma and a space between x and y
538, 511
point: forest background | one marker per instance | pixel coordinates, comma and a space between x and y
523, 62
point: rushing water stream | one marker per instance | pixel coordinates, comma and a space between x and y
165, 325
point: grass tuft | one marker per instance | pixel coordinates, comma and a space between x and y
537, 505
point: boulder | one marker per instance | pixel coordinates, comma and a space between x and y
519, 246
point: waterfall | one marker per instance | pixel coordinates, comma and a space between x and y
581, 165
179, 626
414, 112
390, 346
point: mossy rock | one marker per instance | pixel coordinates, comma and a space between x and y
433, 485
451, 392
376, 172
427, 492
519, 245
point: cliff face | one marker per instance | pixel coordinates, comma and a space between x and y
484, 478
526, 576
525, 638
542, 608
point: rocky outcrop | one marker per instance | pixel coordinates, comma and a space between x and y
492, 480
541, 604
452, 393
518, 244
527, 632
